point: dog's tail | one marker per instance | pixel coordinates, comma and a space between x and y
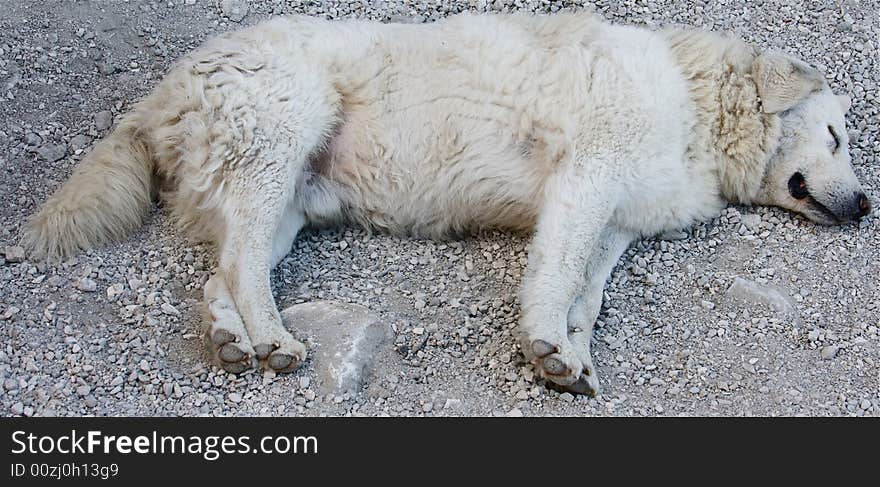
108, 196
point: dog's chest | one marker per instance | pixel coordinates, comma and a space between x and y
668, 197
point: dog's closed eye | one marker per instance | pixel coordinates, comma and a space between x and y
836, 143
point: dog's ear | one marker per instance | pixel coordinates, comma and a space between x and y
783, 82
845, 102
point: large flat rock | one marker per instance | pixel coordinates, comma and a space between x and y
344, 340
753, 292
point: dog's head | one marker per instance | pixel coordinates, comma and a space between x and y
810, 172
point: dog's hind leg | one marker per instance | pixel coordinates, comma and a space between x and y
226, 336
291, 223
261, 217
266, 124
259, 231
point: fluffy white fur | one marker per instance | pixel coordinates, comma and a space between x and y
591, 135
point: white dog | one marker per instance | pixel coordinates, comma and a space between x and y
589, 134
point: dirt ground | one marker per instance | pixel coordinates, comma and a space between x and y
116, 331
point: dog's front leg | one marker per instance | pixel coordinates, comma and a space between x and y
577, 207
585, 309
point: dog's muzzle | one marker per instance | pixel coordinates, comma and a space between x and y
857, 207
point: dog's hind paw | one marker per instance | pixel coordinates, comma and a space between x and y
282, 354
227, 339
234, 357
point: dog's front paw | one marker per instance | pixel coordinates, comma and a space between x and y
554, 360
588, 382
565, 363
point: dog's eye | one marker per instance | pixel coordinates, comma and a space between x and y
797, 186
835, 137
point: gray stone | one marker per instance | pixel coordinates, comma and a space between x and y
87, 285
14, 254
52, 152
829, 352
107, 67
235, 10
80, 142
751, 291
454, 404
752, 221
9, 313
32, 139
345, 340
103, 120
168, 309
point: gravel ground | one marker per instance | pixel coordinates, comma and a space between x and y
116, 331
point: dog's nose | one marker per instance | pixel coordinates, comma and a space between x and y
863, 204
